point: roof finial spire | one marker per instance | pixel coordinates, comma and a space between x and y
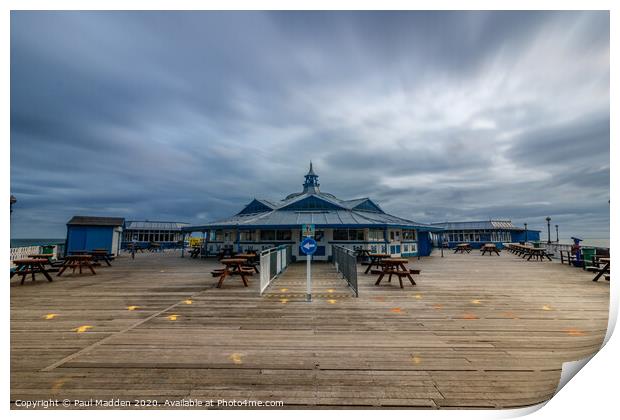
312, 180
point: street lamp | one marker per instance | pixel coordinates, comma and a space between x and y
525, 224
557, 234
548, 219
13, 201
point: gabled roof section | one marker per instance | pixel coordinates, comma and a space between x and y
312, 202
365, 204
257, 206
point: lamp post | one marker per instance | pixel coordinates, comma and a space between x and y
525, 224
13, 201
557, 234
548, 219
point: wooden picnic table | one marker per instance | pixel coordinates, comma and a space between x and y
375, 260
362, 254
251, 260
31, 266
490, 248
604, 270
520, 250
245, 255
537, 253
102, 255
462, 248
233, 266
77, 261
395, 266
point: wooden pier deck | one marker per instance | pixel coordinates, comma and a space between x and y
475, 332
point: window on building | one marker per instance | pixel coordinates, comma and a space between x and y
340, 235
356, 234
375, 235
246, 235
284, 235
268, 235
409, 235
219, 235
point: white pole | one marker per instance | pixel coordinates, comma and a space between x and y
308, 279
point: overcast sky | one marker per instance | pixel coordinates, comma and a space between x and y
186, 116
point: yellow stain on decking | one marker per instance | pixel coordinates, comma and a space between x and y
546, 308
284, 289
50, 316
82, 328
510, 315
188, 301
437, 306
172, 317
574, 332
283, 300
57, 384
330, 290
236, 358
418, 296
416, 360
476, 301
332, 301
133, 308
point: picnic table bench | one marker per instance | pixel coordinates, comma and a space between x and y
54, 264
395, 267
363, 255
462, 248
604, 271
233, 266
537, 253
490, 248
102, 255
375, 260
31, 266
77, 261
251, 260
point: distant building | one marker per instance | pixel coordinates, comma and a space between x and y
167, 234
478, 233
356, 224
85, 233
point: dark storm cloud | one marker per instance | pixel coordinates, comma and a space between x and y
188, 115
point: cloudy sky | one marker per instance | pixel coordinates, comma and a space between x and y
188, 115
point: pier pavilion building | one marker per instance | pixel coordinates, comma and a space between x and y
357, 224
482, 232
167, 234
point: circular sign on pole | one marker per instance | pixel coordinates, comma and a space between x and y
308, 246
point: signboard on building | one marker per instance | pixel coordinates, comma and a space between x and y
307, 231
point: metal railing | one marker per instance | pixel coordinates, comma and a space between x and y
273, 261
345, 261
